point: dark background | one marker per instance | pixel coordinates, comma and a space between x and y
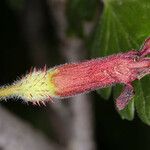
29, 36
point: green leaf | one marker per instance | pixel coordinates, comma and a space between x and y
79, 11
105, 93
142, 99
15, 4
123, 26
128, 112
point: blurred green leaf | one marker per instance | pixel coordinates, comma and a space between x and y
16, 4
79, 11
124, 25
105, 93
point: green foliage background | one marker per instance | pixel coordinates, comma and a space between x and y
124, 25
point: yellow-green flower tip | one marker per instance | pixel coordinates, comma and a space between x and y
35, 86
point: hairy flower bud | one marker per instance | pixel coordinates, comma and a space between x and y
71, 79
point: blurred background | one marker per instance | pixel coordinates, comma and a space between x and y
52, 32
